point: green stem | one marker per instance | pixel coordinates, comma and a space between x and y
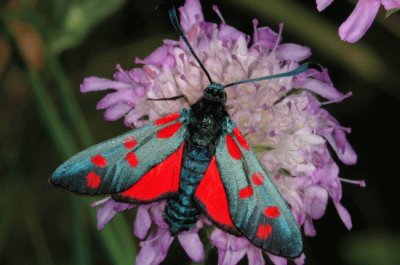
69, 103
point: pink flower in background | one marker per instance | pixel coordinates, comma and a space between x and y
360, 20
283, 119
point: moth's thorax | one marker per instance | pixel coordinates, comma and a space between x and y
208, 116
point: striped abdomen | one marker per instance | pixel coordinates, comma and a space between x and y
181, 211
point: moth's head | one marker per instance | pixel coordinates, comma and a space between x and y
215, 92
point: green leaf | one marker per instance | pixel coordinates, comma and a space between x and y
391, 12
80, 18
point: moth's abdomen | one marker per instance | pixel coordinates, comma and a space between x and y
181, 212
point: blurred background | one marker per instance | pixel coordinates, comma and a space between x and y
47, 47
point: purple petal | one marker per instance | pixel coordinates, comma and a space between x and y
359, 21
264, 36
108, 208
277, 260
343, 149
322, 4
255, 256
309, 229
315, 201
292, 52
190, 14
230, 257
142, 222
116, 112
227, 32
321, 88
390, 4
127, 96
155, 248
344, 215
300, 260
95, 83
156, 213
218, 238
192, 245
157, 57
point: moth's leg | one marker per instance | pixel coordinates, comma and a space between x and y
228, 107
171, 98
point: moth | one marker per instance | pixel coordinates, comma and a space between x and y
199, 162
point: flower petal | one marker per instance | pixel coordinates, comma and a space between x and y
255, 256
322, 4
155, 248
142, 222
192, 245
264, 36
292, 52
277, 260
190, 14
344, 215
300, 260
315, 200
359, 21
95, 83
116, 112
108, 208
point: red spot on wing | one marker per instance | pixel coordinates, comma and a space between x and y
258, 178
132, 159
272, 212
99, 161
239, 136
130, 142
233, 149
264, 231
211, 194
158, 181
169, 131
246, 192
167, 119
93, 180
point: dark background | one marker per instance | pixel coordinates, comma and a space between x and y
47, 48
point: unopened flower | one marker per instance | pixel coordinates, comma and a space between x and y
283, 119
360, 20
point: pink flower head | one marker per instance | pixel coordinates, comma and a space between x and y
290, 131
360, 20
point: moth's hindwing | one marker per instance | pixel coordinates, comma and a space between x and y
257, 209
117, 164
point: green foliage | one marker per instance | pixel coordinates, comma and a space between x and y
77, 19
372, 248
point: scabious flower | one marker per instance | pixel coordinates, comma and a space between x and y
283, 119
360, 20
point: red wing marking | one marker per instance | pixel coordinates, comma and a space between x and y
93, 180
233, 149
264, 231
272, 212
167, 119
132, 159
258, 178
99, 160
169, 131
239, 136
158, 181
130, 142
211, 194
246, 192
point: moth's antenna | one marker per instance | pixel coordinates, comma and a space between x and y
294, 72
175, 22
